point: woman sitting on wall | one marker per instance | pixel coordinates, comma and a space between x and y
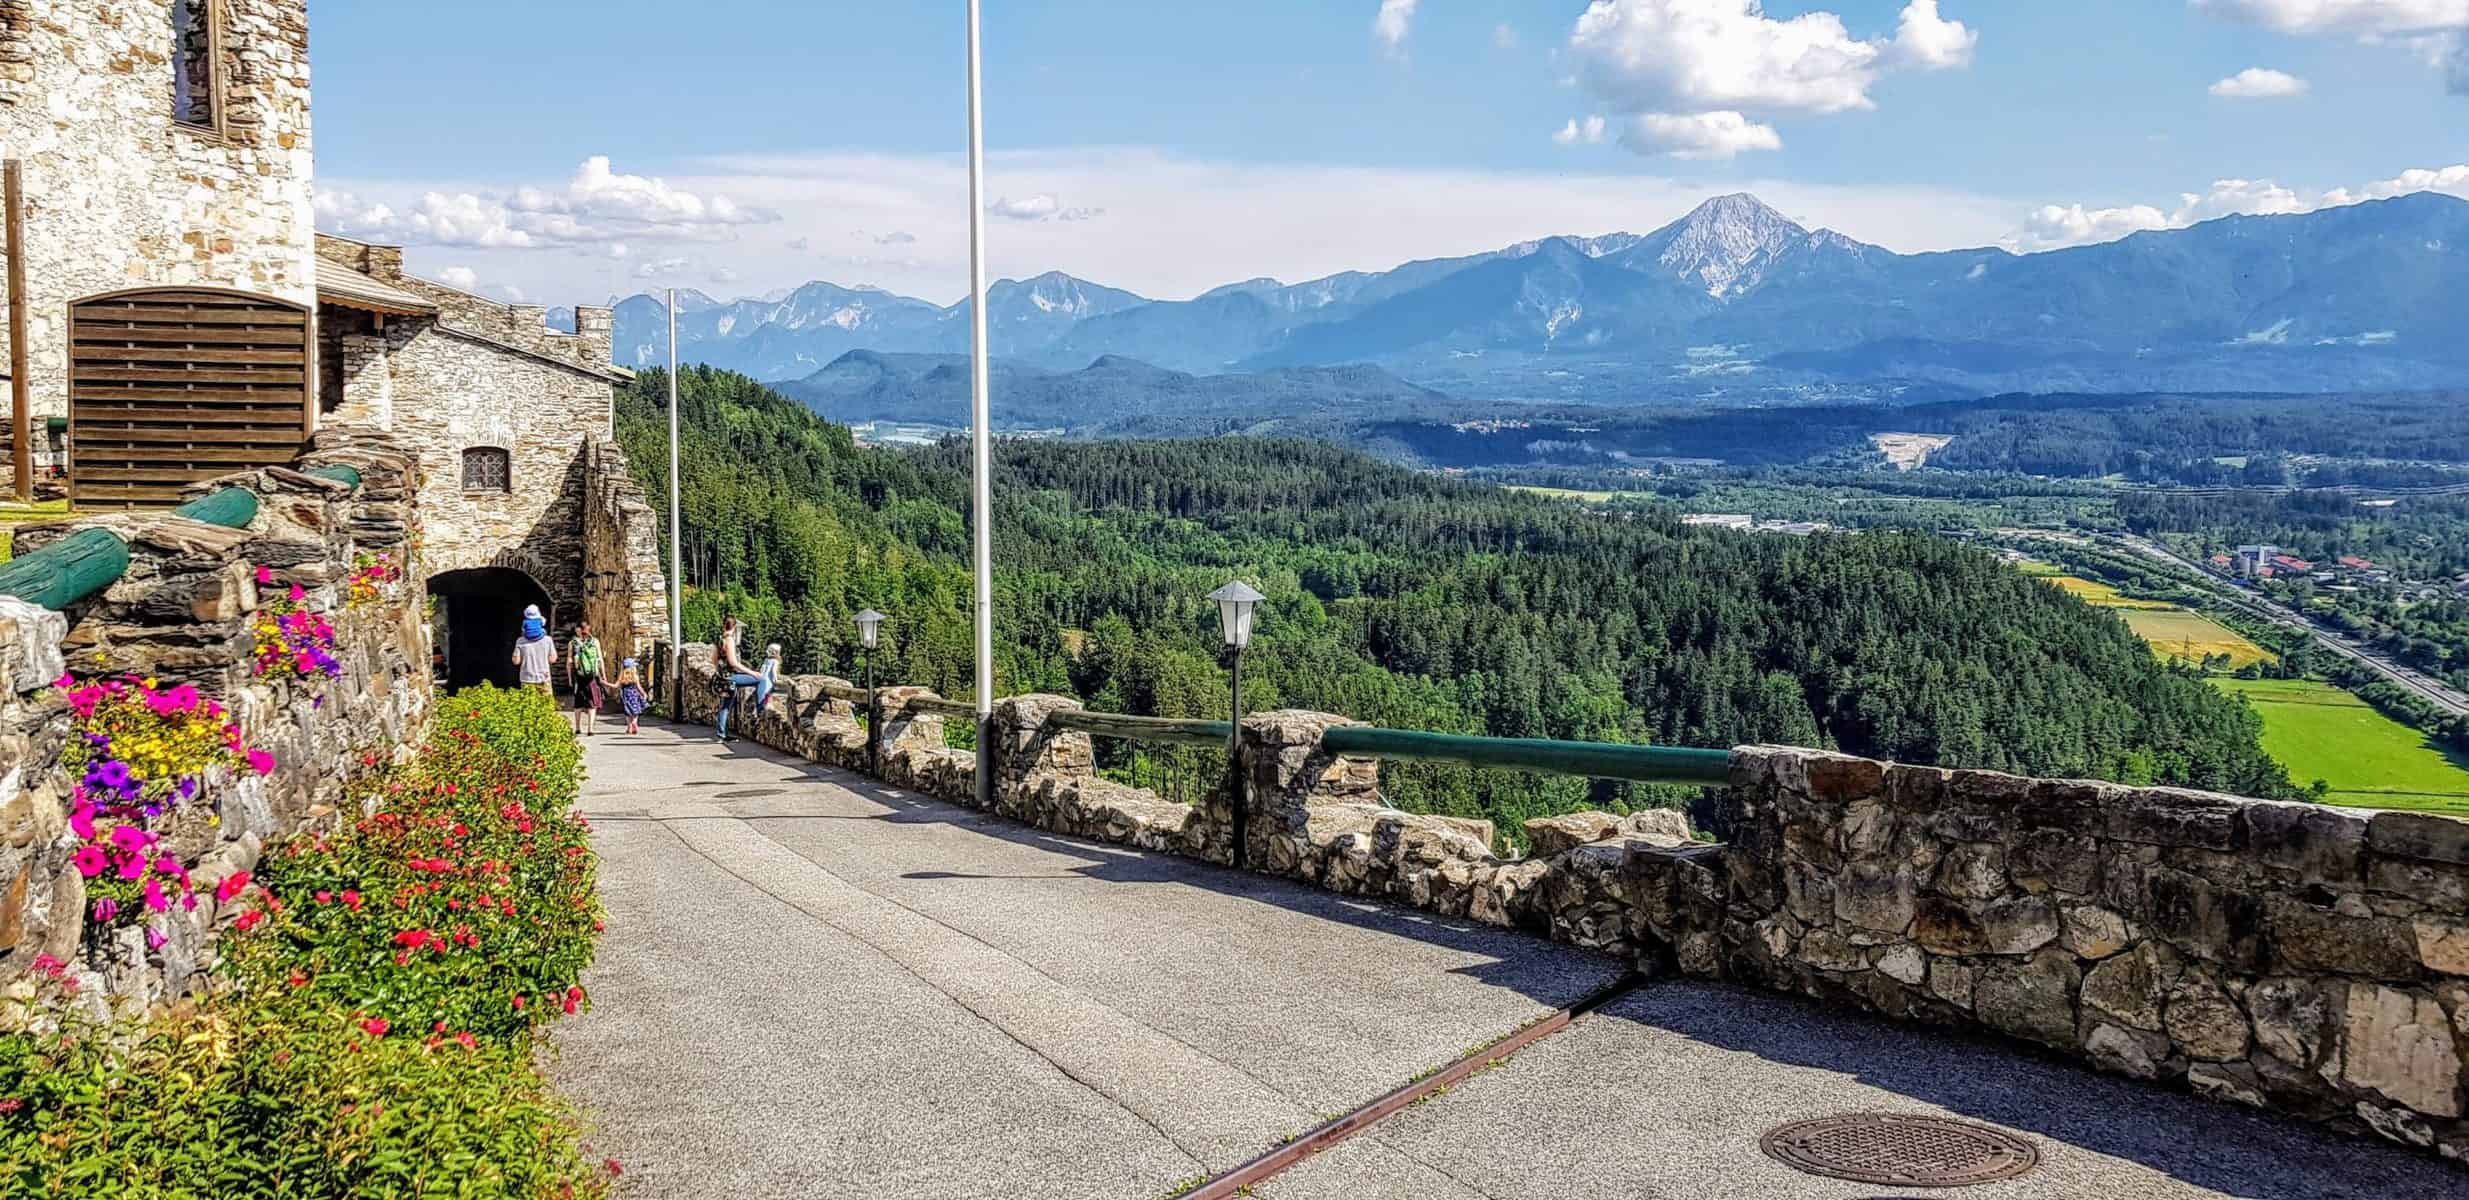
734, 675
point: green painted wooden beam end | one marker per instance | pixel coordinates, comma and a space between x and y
339, 474
231, 508
68, 570
1596, 760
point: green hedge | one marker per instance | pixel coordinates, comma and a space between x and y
384, 992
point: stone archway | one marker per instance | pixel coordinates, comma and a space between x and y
479, 613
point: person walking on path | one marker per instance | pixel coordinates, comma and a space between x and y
583, 665
734, 675
535, 653
631, 698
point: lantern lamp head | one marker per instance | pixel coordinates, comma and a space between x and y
869, 627
1235, 603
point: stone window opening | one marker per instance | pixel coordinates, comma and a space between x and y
487, 469
197, 64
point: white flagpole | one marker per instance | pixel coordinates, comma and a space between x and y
980, 417
677, 577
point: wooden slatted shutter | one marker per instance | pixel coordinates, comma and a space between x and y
170, 387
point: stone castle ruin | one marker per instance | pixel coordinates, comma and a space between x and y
185, 320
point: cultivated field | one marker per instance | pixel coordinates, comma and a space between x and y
2178, 634
2371, 761
2101, 595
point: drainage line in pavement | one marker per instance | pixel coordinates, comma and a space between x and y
1283, 1158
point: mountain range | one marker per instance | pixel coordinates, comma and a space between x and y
1733, 303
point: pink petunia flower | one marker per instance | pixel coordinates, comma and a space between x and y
105, 909
265, 574
81, 822
261, 762
91, 861
155, 900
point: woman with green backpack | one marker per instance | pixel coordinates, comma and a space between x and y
583, 664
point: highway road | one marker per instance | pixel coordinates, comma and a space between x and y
2417, 683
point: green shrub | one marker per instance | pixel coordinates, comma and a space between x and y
280, 1097
467, 899
382, 992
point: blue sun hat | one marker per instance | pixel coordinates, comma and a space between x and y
533, 625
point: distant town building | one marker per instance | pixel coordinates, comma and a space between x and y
1720, 520
2255, 562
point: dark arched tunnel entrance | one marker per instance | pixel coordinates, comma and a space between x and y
478, 616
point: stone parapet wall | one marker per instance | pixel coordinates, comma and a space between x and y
183, 612
2309, 960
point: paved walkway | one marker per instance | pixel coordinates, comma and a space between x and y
814, 986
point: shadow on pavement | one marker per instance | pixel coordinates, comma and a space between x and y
2204, 1143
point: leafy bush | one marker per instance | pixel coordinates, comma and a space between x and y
280, 1097
467, 899
378, 1020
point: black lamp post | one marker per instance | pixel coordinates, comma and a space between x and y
1235, 603
869, 630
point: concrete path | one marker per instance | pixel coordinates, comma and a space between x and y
1664, 1094
814, 986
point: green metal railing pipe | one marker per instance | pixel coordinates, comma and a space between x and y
1171, 730
1597, 760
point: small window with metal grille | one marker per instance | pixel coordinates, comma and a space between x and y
487, 469
197, 64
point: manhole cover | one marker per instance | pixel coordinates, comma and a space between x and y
1901, 1151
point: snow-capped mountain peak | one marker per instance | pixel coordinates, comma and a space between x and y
1724, 245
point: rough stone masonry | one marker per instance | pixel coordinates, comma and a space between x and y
183, 613
2309, 960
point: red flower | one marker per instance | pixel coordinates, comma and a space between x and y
233, 886
248, 920
376, 1026
469, 1042
518, 1003
298, 979
614, 1169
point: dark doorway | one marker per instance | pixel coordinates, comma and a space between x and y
479, 614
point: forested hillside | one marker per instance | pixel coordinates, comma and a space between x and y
1416, 601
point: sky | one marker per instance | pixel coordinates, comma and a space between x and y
562, 152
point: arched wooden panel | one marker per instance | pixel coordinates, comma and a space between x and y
171, 386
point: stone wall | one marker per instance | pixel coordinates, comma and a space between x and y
118, 194
182, 613
484, 374
625, 591
2309, 960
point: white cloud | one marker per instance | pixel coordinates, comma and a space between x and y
2451, 181
1588, 131
897, 237
462, 278
2437, 30
1708, 135
2364, 18
1040, 207
724, 275
597, 207
658, 268
1930, 42
2053, 227
1704, 68
1394, 21
800, 245
1504, 36
2259, 83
